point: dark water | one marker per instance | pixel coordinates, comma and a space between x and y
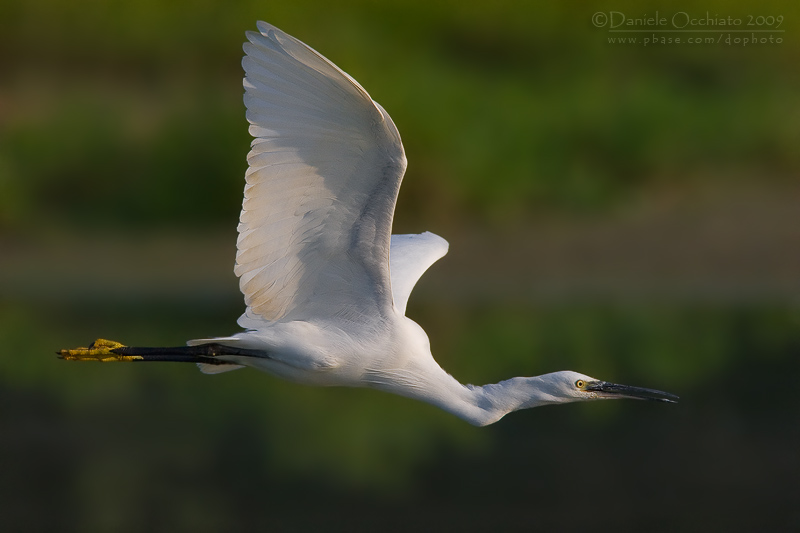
94, 447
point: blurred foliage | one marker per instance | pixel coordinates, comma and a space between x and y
128, 116
132, 111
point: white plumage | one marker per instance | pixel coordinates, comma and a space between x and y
325, 169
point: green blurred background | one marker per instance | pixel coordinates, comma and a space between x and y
626, 211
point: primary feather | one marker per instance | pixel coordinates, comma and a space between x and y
325, 168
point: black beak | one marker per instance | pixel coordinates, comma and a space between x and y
613, 390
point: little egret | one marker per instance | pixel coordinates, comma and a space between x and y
325, 282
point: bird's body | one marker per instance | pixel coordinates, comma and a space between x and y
391, 354
324, 281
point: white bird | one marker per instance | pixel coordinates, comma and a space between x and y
324, 281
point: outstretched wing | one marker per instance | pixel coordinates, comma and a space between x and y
325, 168
409, 258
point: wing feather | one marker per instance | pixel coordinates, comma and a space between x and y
324, 170
410, 257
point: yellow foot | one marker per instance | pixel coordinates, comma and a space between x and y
99, 350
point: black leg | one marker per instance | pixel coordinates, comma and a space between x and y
105, 350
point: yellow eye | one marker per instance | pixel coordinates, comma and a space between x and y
580, 384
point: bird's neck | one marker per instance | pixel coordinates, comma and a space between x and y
519, 393
478, 405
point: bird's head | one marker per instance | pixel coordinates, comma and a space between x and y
579, 387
